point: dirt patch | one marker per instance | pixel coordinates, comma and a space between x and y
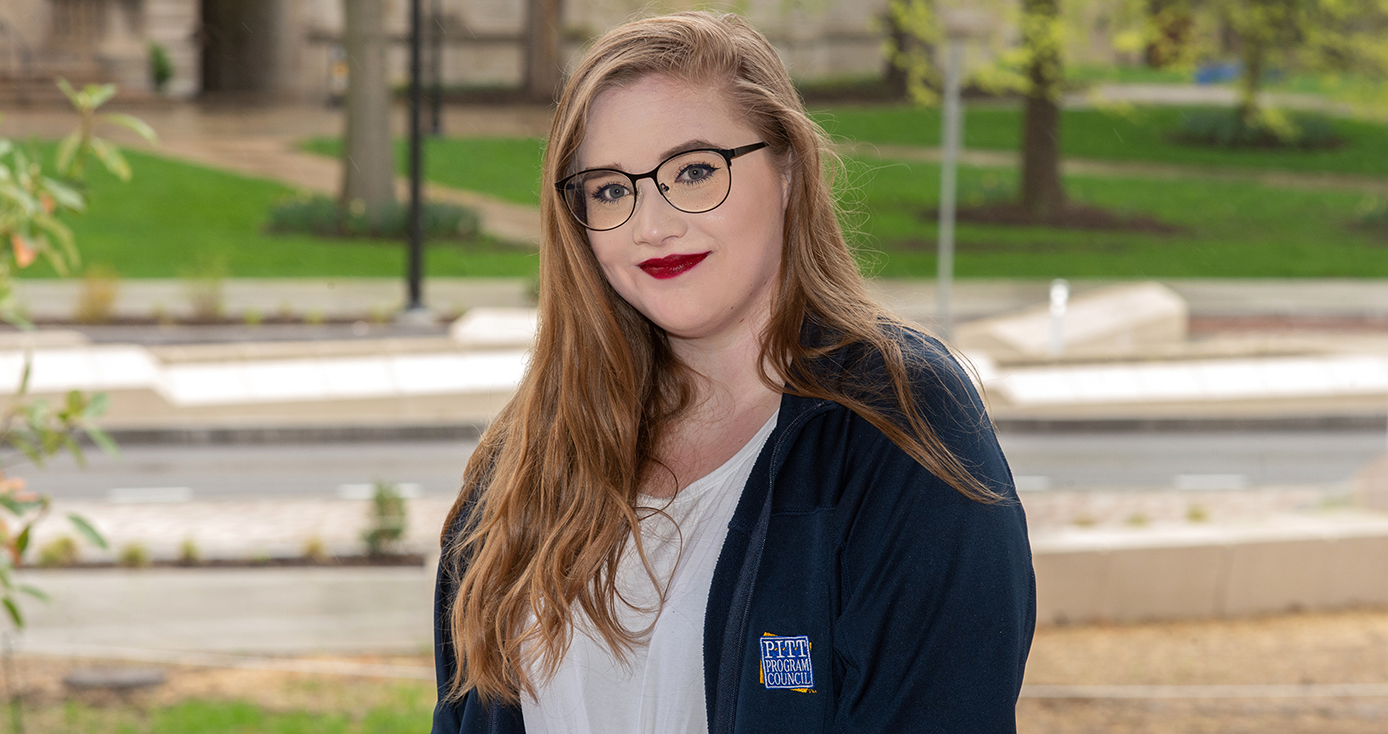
1348, 647
1033, 248
394, 560
1072, 216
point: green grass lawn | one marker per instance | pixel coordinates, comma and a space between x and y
175, 219
219, 717
1137, 134
1230, 230
507, 168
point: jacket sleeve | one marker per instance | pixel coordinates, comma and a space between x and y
469, 715
447, 715
937, 590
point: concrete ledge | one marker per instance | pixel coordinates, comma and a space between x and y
1142, 575
265, 611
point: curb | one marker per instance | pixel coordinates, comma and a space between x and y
471, 431
1362, 422
251, 435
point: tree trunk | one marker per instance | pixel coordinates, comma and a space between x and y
1254, 52
1042, 191
368, 160
543, 70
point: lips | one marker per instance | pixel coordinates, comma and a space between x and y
664, 268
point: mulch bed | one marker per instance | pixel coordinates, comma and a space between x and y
386, 561
1200, 325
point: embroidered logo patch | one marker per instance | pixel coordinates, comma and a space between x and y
785, 663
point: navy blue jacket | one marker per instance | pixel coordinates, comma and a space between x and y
856, 591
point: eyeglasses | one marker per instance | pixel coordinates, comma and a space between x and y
694, 182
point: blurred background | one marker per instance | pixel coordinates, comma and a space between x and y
240, 385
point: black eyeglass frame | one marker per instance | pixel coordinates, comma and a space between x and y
728, 155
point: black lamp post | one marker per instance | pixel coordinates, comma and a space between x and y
436, 69
415, 269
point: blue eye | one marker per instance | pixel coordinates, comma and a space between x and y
696, 173
609, 193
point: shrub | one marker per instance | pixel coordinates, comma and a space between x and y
161, 68
386, 525
97, 298
189, 553
59, 552
1372, 214
203, 283
314, 549
133, 555
1227, 129
323, 216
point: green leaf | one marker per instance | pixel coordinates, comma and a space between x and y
52, 255
10, 503
76, 403
68, 91
64, 195
99, 95
26, 202
62, 234
35, 592
25, 375
111, 157
13, 609
21, 543
28, 449
101, 438
140, 127
97, 403
87, 530
67, 151
78, 455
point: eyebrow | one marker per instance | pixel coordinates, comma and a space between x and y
696, 144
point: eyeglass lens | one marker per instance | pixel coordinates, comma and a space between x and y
694, 182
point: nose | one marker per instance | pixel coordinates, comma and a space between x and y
654, 221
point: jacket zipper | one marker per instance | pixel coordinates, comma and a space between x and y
730, 667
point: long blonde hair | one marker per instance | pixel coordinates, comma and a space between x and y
549, 496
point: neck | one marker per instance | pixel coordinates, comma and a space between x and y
730, 367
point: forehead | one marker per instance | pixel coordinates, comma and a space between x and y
634, 127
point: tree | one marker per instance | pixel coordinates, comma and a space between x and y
1336, 39
1042, 38
32, 205
544, 70
1314, 36
1034, 68
368, 160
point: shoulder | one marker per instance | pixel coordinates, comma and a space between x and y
902, 362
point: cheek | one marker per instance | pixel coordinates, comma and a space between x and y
607, 252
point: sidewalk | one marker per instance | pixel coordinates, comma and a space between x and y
431, 381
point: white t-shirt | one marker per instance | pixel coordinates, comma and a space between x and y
660, 689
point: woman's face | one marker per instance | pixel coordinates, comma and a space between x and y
708, 276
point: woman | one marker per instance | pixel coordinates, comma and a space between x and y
731, 494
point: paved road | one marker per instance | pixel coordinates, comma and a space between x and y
172, 473
1190, 460
1211, 461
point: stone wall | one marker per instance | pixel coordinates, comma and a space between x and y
484, 44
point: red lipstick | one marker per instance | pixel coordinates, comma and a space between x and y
672, 265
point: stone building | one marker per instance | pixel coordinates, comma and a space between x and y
290, 49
